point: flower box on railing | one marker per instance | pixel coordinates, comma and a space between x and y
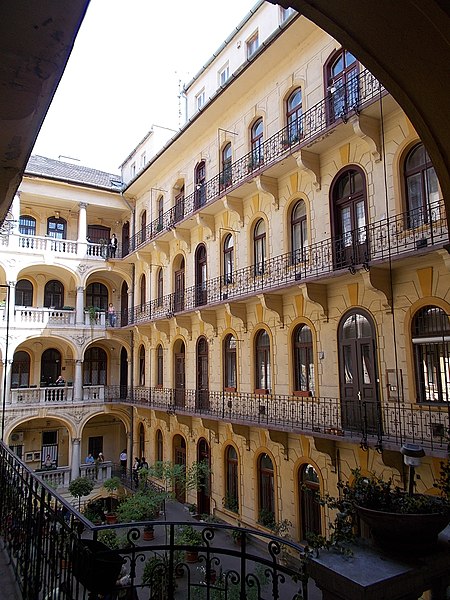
230, 389
262, 391
303, 393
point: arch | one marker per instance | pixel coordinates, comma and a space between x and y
358, 372
179, 374
299, 231
420, 187
50, 366
228, 259
95, 366
231, 468
294, 116
54, 294
20, 369
179, 282
159, 446
141, 355
266, 490
142, 227
430, 337
201, 275
24, 293
341, 84
308, 484
179, 458
204, 477
348, 207
226, 160
27, 226
141, 438
202, 373
200, 187
230, 362
259, 246
142, 291
159, 287
97, 295
159, 366
263, 366
256, 143
303, 361
57, 228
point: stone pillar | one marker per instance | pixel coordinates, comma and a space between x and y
82, 230
79, 308
78, 381
76, 458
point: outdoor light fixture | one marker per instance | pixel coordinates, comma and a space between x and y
412, 455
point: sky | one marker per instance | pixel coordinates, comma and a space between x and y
124, 74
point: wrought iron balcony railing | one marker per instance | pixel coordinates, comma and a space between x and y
56, 553
360, 248
375, 424
335, 108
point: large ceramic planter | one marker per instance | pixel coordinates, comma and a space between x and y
407, 532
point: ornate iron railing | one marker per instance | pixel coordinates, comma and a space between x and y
58, 554
335, 108
374, 424
360, 248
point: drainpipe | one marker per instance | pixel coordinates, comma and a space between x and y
131, 400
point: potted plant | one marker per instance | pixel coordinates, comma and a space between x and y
397, 519
112, 485
187, 535
142, 506
156, 575
81, 486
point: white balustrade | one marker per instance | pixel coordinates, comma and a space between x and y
43, 317
53, 395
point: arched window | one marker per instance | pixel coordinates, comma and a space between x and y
50, 366
159, 446
266, 494
263, 378
179, 458
309, 490
259, 246
256, 143
226, 175
94, 366
160, 213
229, 362
179, 205
342, 85
202, 378
200, 188
20, 370
294, 117
159, 366
431, 349
141, 365
421, 187
24, 293
231, 500
200, 275
27, 225
143, 227
349, 210
56, 228
299, 235
228, 259
143, 291
159, 288
97, 295
303, 360
54, 294
141, 440
179, 287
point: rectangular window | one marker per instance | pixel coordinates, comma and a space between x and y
133, 169
200, 100
224, 75
252, 45
143, 160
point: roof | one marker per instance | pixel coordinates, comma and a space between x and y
49, 168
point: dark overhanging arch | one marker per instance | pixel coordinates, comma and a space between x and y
406, 45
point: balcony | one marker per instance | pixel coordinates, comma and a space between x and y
374, 244
335, 109
40, 318
33, 244
57, 395
55, 551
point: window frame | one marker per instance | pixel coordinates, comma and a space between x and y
229, 363
263, 365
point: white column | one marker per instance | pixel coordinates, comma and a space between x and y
78, 381
82, 230
76, 454
79, 307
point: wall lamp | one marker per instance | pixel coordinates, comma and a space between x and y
412, 455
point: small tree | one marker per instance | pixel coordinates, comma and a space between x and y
81, 486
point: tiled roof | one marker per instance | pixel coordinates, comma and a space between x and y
41, 166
